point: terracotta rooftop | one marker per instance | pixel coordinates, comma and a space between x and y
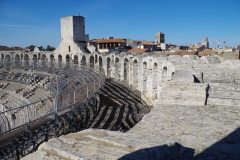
138, 50
135, 41
5, 48
185, 52
206, 52
117, 40
95, 40
147, 43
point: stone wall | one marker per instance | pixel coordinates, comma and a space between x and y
150, 73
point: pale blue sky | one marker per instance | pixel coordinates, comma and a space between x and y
37, 22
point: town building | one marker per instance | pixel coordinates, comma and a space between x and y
73, 38
111, 45
159, 38
205, 42
150, 45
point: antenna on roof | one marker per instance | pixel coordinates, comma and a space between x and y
78, 13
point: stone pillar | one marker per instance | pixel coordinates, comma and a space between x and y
135, 74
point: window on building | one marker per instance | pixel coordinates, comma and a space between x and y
73, 25
69, 49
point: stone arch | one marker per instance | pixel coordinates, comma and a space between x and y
35, 58
100, 61
67, 58
154, 80
59, 58
43, 57
108, 67
26, 60
7, 61
126, 69
17, 60
7, 57
51, 58
17, 57
75, 59
135, 73
83, 61
91, 61
164, 76
116, 61
117, 68
172, 75
145, 75
2, 56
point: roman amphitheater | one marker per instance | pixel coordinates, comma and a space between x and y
126, 106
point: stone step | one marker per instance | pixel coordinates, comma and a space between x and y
186, 86
224, 87
224, 94
223, 101
217, 77
114, 119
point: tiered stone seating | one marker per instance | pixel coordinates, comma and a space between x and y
29, 92
223, 94
212, 59
120, 109
3, 85
217, 76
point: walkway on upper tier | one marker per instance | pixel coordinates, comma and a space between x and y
191, 130
212, 131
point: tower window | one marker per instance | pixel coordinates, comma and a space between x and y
83, 26
69, 49
73, 25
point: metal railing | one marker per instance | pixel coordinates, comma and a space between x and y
83, 81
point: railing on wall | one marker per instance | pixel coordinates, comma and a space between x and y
82, 82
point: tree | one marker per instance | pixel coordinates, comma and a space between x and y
49, 48
41, 48
31, 47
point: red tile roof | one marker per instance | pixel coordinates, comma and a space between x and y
5, 48
206, 52
147, 43
138, 50
117, 40
95, 40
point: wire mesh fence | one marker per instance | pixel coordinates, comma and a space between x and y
67, 83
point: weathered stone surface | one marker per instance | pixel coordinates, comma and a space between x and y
183, 93
214, 128
183, 76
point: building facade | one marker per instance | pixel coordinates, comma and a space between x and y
159, 38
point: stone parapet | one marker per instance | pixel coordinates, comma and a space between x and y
183, 93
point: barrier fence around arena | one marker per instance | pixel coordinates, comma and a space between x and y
91, 78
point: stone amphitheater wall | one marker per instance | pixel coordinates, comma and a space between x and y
147, 72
